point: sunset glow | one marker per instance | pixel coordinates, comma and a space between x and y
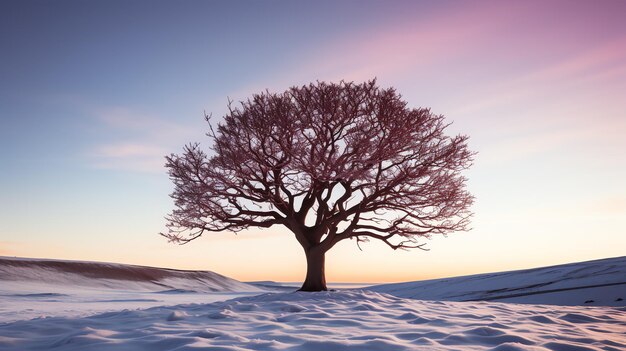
94, 95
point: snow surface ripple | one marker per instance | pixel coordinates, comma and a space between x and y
345, 320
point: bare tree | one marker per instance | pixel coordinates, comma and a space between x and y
329, 162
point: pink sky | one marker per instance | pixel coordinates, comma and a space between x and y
537, 85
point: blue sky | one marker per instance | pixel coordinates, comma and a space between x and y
94, 94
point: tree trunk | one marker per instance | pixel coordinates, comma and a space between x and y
315, 275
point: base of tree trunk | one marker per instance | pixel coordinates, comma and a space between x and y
315, 273
313, 287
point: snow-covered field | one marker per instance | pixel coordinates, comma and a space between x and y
342, 320
20, 301
72, 316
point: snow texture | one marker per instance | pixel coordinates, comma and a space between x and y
115, 276
334, 321
592, 283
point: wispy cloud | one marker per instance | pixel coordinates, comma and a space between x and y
516, 148
128, 150
614, 205
137, 141
593, 67
145, 125
407, 45
584, 208
129, 156
7, 248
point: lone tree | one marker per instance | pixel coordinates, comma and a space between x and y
329, 162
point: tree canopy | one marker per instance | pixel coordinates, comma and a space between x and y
328, 161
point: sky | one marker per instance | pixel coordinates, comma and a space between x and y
94, 94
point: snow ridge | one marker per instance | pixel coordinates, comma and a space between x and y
115, 276
591, 283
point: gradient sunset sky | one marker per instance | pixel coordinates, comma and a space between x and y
94, 94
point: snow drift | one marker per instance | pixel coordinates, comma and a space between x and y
599, 283
345, 320
115, 276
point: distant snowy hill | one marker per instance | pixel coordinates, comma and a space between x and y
114, 276
593, 283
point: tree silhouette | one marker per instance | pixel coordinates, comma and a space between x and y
329, 162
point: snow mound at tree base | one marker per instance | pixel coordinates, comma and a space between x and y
346, 320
